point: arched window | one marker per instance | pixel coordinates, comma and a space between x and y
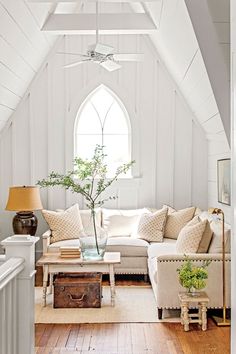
103, 119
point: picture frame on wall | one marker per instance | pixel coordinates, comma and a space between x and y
223, 181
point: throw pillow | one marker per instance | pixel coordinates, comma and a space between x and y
120, 222
216, 243
176, 221
170, 208
190, 237
151, 226
64, 225
207, 234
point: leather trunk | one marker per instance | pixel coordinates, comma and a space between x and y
77, 290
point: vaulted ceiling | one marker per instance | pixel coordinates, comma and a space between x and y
191, 38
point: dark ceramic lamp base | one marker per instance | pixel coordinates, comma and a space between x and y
25, 223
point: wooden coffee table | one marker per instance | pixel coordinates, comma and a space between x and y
53, 263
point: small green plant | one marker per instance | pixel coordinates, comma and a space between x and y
88, 179
193, 277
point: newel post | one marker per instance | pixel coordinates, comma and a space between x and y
24, 247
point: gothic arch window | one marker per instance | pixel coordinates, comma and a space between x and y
103, 119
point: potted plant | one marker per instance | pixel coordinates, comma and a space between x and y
193, 277
89, 179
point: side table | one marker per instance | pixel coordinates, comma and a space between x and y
201, 300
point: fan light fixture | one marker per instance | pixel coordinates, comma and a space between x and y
102, 54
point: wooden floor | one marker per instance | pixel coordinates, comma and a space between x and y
127, 338
130, 338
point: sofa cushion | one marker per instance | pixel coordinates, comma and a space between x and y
168, 246
207, 234
216, 242
169, 208
177, 220
85, 215
118, 222
87, 220
190, 237
127, 246
55, 247
151, 226
64, 224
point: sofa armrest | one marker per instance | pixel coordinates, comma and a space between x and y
166, 279
46, 240
193, 257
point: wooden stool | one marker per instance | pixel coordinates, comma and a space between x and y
201, 299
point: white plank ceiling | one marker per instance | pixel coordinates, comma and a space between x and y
24, 46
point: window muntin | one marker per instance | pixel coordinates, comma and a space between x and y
104, 120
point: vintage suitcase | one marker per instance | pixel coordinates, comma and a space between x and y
77, 290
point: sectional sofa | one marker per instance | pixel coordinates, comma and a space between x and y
158, 260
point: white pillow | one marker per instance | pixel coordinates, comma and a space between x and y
118, 222
151, 226
64, 225
190, 237
216, 242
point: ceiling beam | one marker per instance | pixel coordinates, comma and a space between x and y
71, 1
212, 55
108, 24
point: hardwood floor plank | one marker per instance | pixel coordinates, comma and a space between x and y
132, 338
64, 334
123, 338
72, 338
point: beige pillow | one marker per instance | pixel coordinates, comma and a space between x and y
206, 237
151, 226
64, 225
190, 237
170, 208
198, 211
176, 221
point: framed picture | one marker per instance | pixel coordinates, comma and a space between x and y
223, 181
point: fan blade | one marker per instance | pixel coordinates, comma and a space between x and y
76, 54
128, 57
110, 65
101, 48
75, 63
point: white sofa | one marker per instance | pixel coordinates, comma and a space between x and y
159, 260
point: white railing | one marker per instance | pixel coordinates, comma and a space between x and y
8, 304
17, 296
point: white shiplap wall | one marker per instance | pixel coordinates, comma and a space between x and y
169, 146
218, 148
179, 49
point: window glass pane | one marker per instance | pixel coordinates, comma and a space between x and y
117, 149
88, 121
86, 144
116, 121
103, 108
102, 100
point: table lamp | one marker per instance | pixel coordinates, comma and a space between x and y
218, 320
24, 200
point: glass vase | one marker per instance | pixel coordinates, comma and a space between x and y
93, 243
193, 291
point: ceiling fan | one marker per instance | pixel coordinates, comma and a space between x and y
102, 54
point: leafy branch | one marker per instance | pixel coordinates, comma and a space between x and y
88, 179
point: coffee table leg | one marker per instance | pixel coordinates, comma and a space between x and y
112, 284
50, 282
45, 280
